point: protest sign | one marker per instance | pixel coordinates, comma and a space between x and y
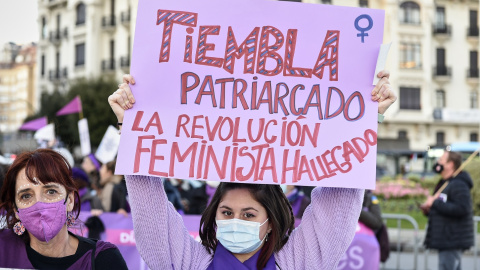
108, 148
84, 136
253, 91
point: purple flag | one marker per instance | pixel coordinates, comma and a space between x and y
73, 106
34, 124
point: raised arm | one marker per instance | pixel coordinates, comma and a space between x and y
161, 237
327, 229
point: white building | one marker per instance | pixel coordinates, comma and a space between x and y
83, 39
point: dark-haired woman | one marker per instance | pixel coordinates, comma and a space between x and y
40, 200
246, 226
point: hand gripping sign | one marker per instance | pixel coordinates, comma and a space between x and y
253, 91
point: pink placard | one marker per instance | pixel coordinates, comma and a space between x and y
253, 91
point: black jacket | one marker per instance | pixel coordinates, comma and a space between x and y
450, 223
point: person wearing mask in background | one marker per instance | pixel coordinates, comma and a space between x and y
450, 219
91, 166
297, 199
41, 200
88, 198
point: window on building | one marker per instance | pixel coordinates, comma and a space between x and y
409, 13
81, 16
363, 3
42, 65
474, 137
440, 138
440, 18
402, 134
80, 54
410, 55
473, 24
44, 28
474, 100
440, 99
409, 98
326, 1
473, 70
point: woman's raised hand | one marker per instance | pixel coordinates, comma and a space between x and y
122, 99
383, 92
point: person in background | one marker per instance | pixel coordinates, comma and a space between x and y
92, 166
173, 196
40, 200
450, 216
108, 181
88, 197
371, 215
297, 199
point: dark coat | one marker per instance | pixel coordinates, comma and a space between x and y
450, 223
371, 214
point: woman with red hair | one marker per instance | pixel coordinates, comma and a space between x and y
41, 201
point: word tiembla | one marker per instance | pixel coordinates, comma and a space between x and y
262, 153
255, 49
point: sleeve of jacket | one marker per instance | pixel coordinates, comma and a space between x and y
326, 231
161, 237
458, 201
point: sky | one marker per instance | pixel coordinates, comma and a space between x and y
18, 21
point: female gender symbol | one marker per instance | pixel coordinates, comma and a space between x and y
362, 33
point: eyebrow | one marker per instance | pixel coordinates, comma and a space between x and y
51, 185
243, 209
46, 186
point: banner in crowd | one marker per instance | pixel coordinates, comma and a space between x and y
363, 253
253, 91
34, 124
84, 137
108, 148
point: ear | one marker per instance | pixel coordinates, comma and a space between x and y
70, 201
15, 212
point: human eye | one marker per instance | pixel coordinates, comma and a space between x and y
227, 213
25, 196
249, 215
52, 192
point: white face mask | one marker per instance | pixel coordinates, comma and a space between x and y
239, 236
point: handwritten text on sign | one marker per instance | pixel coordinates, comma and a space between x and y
253, 91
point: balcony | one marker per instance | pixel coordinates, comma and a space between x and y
449, 115
473, 75
57, 75
442, 31
125, 63
442, 73
108, 22
472, 33
57, 36
108, 65
125, 18
55, 3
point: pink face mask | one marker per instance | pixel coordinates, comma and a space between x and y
44, 220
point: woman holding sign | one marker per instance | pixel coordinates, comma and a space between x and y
246, 226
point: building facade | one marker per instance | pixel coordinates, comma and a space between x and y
17, 85
83, 39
